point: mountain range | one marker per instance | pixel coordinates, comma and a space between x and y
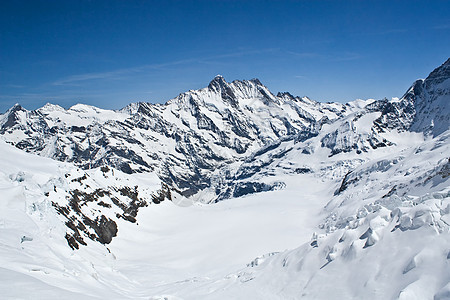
358, 192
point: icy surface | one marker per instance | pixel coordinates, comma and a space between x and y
352, 203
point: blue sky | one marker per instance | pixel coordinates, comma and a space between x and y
111, 53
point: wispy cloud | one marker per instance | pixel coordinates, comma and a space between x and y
346, 56
392, 31
13, 86
305, 54
442, 27
389, 31
75, 80
113, 74
37, 96
242, 53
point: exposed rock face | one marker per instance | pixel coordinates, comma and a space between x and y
423, 108
186, 140
208, 138
93, 210
431, 98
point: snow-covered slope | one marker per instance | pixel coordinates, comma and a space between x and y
323, 200
431, 99
191, 139
386, 236
184, 141
48, 208
380, 233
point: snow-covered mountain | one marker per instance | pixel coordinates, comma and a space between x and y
186, 140
359, 193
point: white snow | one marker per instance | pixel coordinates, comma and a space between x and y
362, 223
195, 251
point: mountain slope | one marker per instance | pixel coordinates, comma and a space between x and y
386, 236
190, 138
358, 192
184, 140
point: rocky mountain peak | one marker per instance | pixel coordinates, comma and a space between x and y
256, 81
192, 138
285, 95
11, 117
430, 98
217, 83
15, 108
49, 107
440, 74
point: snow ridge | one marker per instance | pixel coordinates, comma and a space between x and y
359, 193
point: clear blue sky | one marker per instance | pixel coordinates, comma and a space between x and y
111, 53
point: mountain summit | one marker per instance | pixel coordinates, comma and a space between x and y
111, 204
430, 97
191, 139
207, 129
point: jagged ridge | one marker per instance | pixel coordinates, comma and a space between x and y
201, 135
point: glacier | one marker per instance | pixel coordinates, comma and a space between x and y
228, 192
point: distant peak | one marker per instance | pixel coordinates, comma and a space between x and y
16, 107
256, 81
83, 108
441, 73
218, 78
285, 95
51, 107
217, 82
447, 62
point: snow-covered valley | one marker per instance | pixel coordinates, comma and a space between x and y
229, 192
